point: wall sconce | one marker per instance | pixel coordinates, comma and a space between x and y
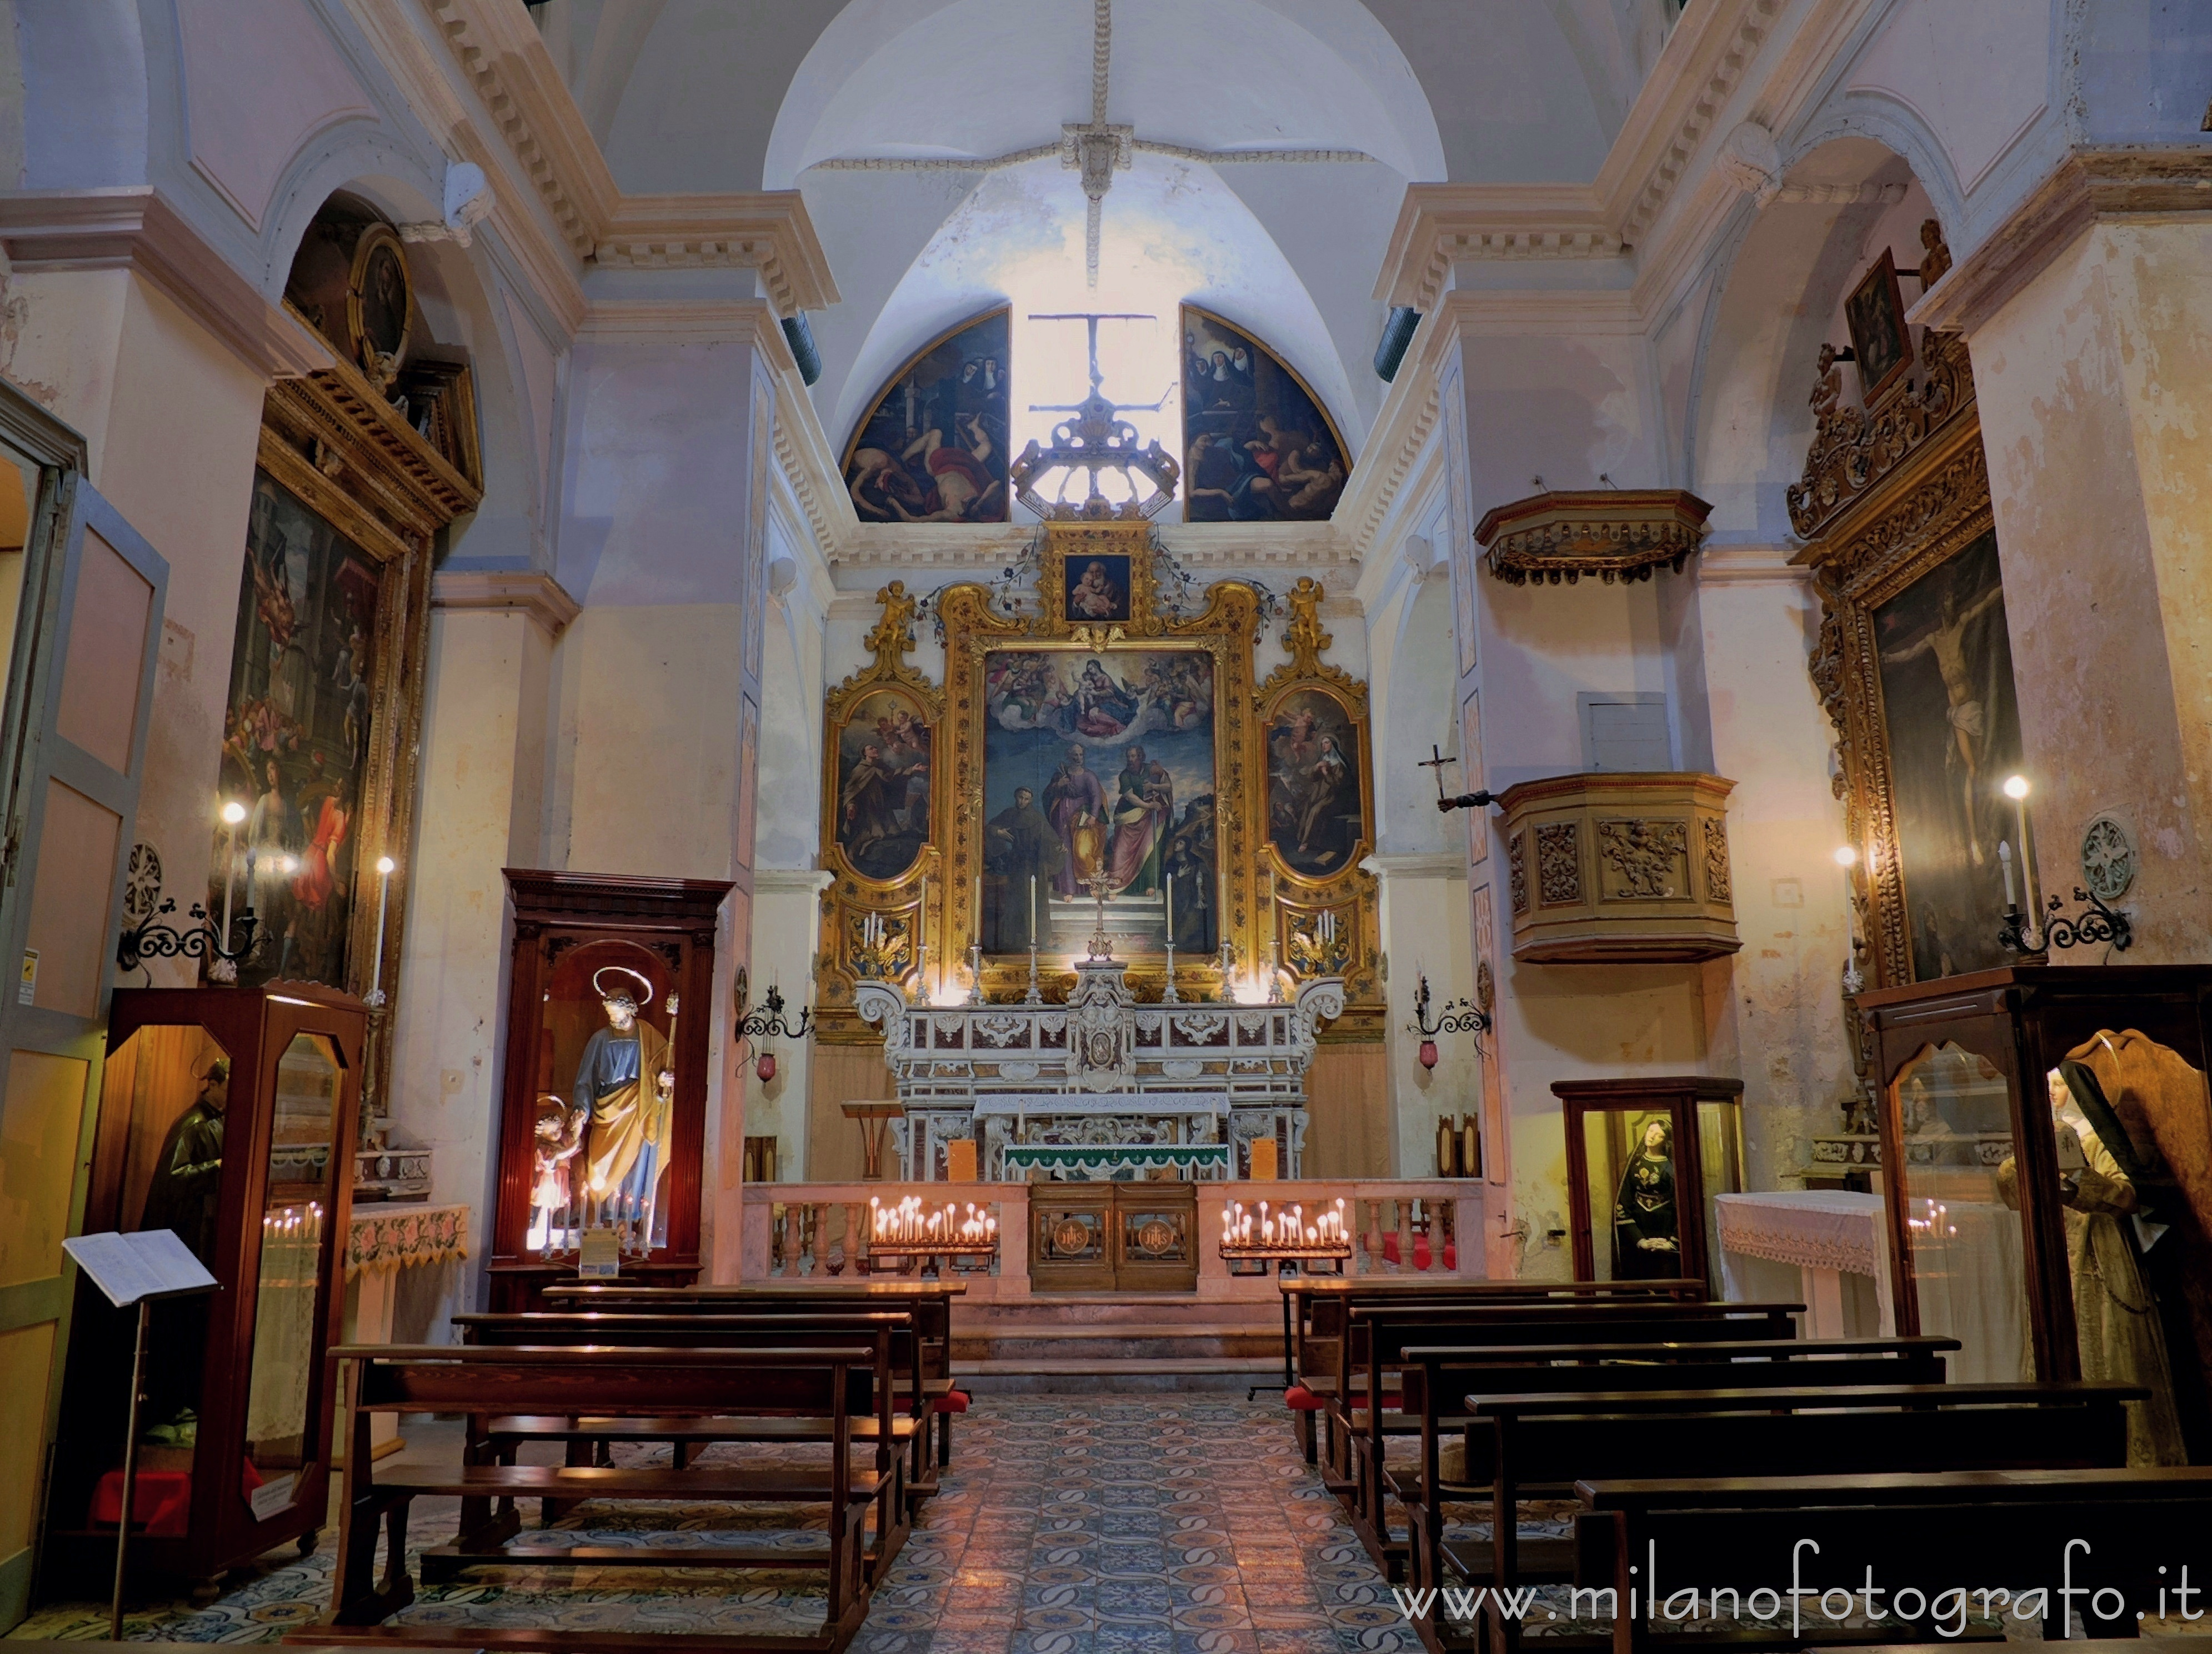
1460, 1016
767, 1023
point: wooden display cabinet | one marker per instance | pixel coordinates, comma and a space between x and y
1698, 1154
228, 1114
652, 939
1982, 1232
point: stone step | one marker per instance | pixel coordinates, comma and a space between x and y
1103, 1344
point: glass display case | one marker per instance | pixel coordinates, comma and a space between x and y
228, 1115
1644, 1159
2047, 1154
603, 1106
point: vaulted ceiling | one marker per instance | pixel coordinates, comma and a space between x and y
723, 95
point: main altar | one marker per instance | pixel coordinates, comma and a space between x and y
1100, 1086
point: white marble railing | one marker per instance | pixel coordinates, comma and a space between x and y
1401, 1226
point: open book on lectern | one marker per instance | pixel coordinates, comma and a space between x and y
152, 1263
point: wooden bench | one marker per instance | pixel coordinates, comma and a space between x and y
1370, 1357
1313, 1315
808, 1382
901, 1348
2003, 1531
1525, 1444
1443, 1385
930, 1302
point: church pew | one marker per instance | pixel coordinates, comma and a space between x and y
1371, 1354
901, 1347
1520, 1445
930, 1302
1315, 1309
1441, 1385
832, 1383
2010, 1532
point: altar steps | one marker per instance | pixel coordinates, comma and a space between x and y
1105, 1341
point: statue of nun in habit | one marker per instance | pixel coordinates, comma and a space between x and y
1647, 1243
625, 1081
2116, 1319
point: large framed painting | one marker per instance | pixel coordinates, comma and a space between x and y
1316, 810
1258, 446
1914, 667
1952, 729
296, 746
933, 445
879, 786
1099, 780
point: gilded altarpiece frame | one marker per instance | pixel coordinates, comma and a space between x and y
1904, 494
872, 911
333, 440
872, 927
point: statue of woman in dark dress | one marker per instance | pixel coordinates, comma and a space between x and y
1646, 1233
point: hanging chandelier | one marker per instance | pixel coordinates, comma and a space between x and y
1095, 442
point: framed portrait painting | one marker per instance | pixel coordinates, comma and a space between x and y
1880, 342
1317, 814
1097, 590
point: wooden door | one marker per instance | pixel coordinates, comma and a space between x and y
80, 690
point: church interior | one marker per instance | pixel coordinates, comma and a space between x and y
955, 826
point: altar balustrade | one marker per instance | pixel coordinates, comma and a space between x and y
1100, 1086
1411, 1227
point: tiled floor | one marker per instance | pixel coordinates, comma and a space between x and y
1069, 1524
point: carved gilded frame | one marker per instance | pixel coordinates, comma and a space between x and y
853, 895
1930, 505
1349, 892
332, 440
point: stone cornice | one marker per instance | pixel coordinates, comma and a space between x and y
1748, 565
2089, 185
809, 881
1416, 864
528, 592
499, 52
136, 228
768, 231
1442, 224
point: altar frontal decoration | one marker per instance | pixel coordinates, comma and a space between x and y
1101, 762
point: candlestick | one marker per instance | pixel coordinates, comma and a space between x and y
2016, 789
384, 866
974, 973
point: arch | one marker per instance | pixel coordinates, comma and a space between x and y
1780, 276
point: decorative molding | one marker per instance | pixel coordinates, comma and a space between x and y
529, 591
1749, 565
808, 881
1705, 57
499, 50
1439, 224
1416, 864
136, 228
2088, 187
767, 231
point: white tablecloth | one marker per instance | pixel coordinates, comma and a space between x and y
1825, 1233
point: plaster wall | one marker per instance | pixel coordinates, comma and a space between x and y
1783, 1025
172, 419
2097, 420
483, 773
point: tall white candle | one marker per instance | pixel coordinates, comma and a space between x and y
2004, 860
384, 866
979, 907
233, 813
1170, 912
1033, 935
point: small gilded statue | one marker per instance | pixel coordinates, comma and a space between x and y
1936, 257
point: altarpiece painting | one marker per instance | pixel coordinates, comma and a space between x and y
296, 743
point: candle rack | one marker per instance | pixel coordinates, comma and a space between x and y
1251, 1240
909, 1232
